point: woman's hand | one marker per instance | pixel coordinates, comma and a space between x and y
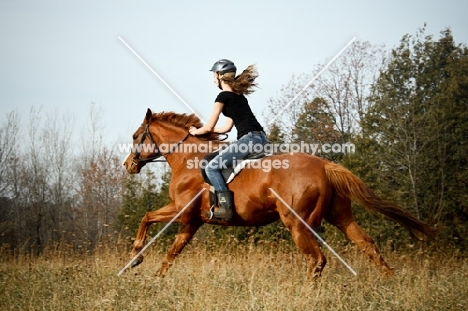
193, 130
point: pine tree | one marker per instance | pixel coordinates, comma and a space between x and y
276, 136
315, 125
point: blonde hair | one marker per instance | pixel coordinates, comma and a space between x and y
243, 83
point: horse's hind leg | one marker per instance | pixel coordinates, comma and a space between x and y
186, 232
306, 242
340, 215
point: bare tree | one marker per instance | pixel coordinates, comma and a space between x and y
8, 187
100, 184
8, 152
57, 137
283, 110
343, 89
101, 190
346, 85
34, 189
92, 136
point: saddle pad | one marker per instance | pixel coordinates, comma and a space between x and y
239, 167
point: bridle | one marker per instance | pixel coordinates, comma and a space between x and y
137, 151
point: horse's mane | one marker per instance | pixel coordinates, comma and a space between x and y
183, 120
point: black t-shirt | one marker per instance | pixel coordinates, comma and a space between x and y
237, 108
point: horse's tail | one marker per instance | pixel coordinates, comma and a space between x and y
346, 184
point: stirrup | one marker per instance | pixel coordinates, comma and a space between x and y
213, 202
211, 211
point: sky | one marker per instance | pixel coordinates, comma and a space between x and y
62, 56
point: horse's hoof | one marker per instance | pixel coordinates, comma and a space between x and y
137, 261
160, 275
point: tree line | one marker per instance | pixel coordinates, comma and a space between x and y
406, 113
51, 193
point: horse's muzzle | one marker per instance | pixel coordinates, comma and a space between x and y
132, 166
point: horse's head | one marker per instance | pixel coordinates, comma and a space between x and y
168, 129
144, 147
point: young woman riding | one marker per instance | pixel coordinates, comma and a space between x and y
232, 103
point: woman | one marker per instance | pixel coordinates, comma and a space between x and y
232, 103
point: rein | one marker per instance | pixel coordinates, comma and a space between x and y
137, 152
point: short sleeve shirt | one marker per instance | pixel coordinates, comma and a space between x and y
237, 108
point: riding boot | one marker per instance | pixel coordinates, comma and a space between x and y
226, 205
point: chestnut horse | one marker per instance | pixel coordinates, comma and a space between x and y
315, 188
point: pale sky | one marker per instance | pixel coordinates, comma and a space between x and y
63, 55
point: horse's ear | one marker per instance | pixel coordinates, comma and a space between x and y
149, 113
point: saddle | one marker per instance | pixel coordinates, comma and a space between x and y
227, 173
230, 172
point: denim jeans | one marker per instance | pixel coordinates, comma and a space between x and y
238, 150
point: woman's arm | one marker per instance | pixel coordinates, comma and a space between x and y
226, 128
210, 125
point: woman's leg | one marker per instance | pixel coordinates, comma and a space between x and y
236, 151
213, 172
230, 156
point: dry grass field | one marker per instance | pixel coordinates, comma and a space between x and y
235, 277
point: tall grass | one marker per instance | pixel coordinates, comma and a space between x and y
233, 277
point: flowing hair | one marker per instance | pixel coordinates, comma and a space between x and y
244, 83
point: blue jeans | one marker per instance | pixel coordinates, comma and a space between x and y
235, 152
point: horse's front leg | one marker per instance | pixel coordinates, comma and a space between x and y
164, 214
186, 232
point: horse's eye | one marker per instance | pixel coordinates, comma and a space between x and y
135, 136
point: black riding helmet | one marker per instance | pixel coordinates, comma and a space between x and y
223, 66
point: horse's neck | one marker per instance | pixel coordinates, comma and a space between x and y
193, 150
179, 156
